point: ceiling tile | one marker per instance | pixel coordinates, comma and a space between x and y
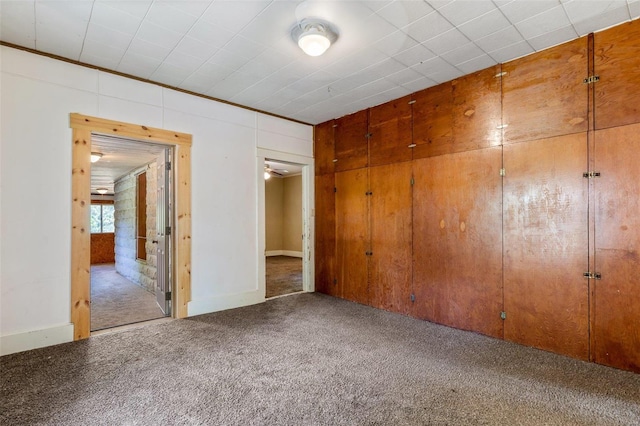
396, 42
17, 23
367, 31
402, 13
514, 51
384, 68
438, 70
405, 76
355, 62
158, 35
107, 13
112, 54
104, 61
499, 39
428, 27
476, 64
206, 77
446, 42
170, 74
244, 47
517, 11
462, 54
272, 23
484, 25
183, 61
231, 85
545, 22
165, 15
634, 9
414, 55
137, 8
233, 15
376, 5
552, 38
155, 51
212, 35
50, 39
228, 58
196, 48
105, 35
138, 65
604, 19
461, 11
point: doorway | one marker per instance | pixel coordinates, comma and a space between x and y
285, 223
130, 210
83, 126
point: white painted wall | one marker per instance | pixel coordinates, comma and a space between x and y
38, 93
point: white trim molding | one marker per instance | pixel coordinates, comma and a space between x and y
35, 339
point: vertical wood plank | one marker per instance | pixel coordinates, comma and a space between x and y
183, 233
544, 94
352, 235
457, 240
616, 315
324, 147
545, 244
351, 143
391, 232
390, 130
81, 234
433, 121
325, 221
617, 63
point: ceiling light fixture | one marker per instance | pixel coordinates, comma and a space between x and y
102, 191
314, 35
267, 175
95, 156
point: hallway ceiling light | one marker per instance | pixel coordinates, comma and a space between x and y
102, 191
95, 156
314, 36
267, 175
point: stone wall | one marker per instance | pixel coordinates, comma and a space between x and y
141, 272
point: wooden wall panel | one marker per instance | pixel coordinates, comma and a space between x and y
103, 248
325, 222
433, 121
477, 114
352, 234
323, 148
546, 244
391, 233
544, 94
351, 143
457, 241
616, 322
617, 63
390, 130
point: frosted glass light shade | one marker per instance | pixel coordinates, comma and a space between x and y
267, 175
313, 43
95, 156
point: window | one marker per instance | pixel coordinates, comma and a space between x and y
102, 218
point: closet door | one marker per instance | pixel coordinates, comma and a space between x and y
390, 259
351, 143
457, 240
325, 221
616, 334
352, 235
390, 132
546, 245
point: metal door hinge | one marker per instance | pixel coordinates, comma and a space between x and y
503, 172
335, 281
413, 182
411, 145
168, 167
368, 193
413, 297
591, 175
592, 275
503, 315
335, 189
167, 230
167, 296
411, 102
591, 79
335, 160
368, 135
368, 253
500, 74
334, 126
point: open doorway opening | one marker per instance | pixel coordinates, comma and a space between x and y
284, 235
130, 249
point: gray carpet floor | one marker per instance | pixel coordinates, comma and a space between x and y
284, 275
117, 301
308, 359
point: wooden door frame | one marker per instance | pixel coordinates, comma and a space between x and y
83, 126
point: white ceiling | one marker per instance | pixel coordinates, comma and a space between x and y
119, 158
242, 52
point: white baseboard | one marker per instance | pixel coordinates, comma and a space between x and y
224, 302
283, 253
19, 342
